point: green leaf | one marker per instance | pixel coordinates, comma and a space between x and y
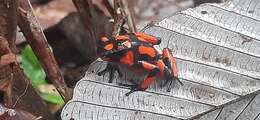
56, 99
32, 67
36, 74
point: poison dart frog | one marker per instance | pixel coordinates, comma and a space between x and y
136, 50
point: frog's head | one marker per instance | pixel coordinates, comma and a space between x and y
105, 44
110, 46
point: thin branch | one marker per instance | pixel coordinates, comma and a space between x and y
22, 95
8, 74
118, 18
11, 74
129, 15
33, 33
109, 7
8, 25
7, 57
122, 12
8, 21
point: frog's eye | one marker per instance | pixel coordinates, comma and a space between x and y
104, 39
109, 46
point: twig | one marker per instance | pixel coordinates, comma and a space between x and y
109, 7
4, 49
7, 57
8, 25
118, 18
23, 94
33, 33
11, 71
8, 21
129, 15
122, 12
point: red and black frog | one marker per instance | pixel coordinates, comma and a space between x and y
136, 50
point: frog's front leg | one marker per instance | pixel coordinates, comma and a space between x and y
111, 68
153, 72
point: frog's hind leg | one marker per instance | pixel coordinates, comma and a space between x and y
170, 62
153, 70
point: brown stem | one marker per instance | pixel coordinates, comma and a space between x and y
8, 24
122, 12
33, 33
7, 75
8, 10
13, 78
109, 7
129, 15
118, 17
19, 93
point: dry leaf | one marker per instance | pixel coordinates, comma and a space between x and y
217, 51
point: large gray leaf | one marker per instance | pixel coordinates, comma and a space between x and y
217, 47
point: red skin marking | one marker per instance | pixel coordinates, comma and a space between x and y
147, 82
147, 50
128, 59
161, 65
122, 37
109, 46
147, 38
142, 39
152, 67
148, 66
167, 54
